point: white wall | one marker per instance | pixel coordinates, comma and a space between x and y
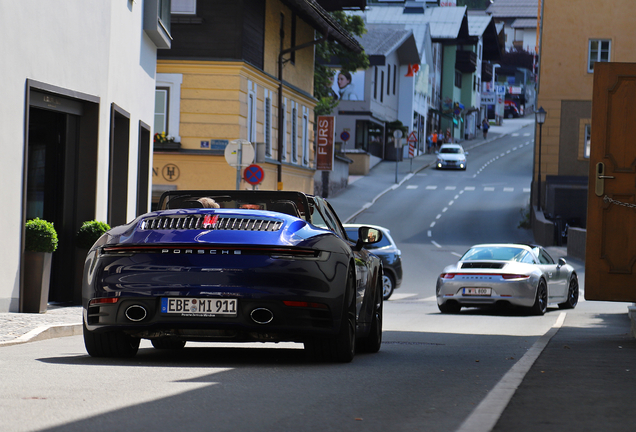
95, 47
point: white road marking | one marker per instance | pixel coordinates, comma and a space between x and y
450, 187
509, 189
431, 187
412, 187
469, 188
485, 416
489, 189
527, 190
437, 245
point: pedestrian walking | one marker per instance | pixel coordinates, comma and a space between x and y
484, 128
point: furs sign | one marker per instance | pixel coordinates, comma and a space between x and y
326, 136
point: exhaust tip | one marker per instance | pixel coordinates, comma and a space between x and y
262, 316
136, 313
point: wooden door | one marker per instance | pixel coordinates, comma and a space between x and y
610, 258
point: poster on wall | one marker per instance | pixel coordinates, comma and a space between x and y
348, 85
326, 129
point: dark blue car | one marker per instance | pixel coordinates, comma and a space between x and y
234, 266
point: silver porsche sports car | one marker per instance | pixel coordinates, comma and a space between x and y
517, 274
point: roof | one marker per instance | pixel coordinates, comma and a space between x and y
514, 9
477, 24
524, 23
446, 23
382, 40
311, 12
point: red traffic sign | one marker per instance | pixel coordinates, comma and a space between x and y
253, 174
412, 137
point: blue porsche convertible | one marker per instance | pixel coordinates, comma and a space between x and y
234, 266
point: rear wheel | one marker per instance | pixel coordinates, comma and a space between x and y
573, 294
110, 344
168, 344
342, 347
373, 341
388, 285
541, 299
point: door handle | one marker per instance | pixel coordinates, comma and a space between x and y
600, 179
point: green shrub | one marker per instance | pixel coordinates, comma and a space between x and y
40, 236
90, 232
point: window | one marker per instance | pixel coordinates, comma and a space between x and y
588, 141
305, 138
458, 79
251, 111
161, 110
294, 132
168, 104
388, 80
599, 51
184, 7
268, 123
375, 84
284, 149
394, 77
382, 86
156, 22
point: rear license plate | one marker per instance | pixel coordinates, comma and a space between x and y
204, 307
477, 291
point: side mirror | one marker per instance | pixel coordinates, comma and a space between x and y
562, 262
367, 236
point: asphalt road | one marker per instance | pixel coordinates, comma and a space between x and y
434, 372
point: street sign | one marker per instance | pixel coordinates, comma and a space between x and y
232, 150
412, 137
345, 136
253, 174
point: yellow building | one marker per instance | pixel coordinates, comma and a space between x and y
573, 36
221, 82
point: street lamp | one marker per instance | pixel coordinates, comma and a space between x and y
540, 116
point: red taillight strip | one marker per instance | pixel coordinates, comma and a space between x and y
106, 300
219, 247
501, 275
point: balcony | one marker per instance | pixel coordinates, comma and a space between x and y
466, 61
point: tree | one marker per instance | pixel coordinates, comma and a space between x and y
329, 52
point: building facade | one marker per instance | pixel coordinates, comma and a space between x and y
79, 84
221, 82
572, 41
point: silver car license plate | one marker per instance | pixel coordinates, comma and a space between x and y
477, 291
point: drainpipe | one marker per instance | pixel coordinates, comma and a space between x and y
281, 119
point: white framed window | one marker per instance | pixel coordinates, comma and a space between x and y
171, 83
268, 123
588, 141
284, 149
294, 132
183, 7
598, 51
161, 110
251, 111
305, 136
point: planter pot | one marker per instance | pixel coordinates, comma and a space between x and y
37, 278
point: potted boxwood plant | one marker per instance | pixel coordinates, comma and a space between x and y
90, 232
40, 241
87, 235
